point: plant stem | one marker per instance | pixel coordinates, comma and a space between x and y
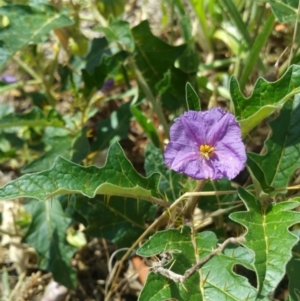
253, 56
149, 95
37, 77
192, 201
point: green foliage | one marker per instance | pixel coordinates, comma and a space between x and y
119, 32
192, 99
47, 234
81, 80
113, 129
34, 118
74, 148
34, 24
292, 269
265, 99
153, 56
118, 219
66, 177
278, 164
267, 227
146, 124
285, 10
214, 280
171, 183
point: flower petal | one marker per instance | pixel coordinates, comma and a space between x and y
189, 129
183, 159
215, 128
231, 159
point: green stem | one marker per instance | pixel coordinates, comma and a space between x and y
149, 95
255, 50
192, 201
20, 84
37, 77
27, 68
98, 17
234, 14
126, 78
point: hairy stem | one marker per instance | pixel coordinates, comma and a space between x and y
192, 202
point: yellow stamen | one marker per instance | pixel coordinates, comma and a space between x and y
206, 151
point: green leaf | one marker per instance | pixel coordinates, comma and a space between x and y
171, 183
215, 202
146, 124
118, 219
293, 268
190, 59
119, 32
47, 234
266, 98
35, 117
99, 47
116, 177
258, 175
5, 110
74, 148
268, 237
283, 148
186, 28
285, 10
153, 56
192, 99
94, 78
31, 22
216, 278
174, 97
111, 7
164, 84
114, 128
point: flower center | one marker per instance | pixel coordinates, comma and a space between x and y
206, 151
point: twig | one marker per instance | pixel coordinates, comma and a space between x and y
192, 201
157, 267
145, 233
18, 285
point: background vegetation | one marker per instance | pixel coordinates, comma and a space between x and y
88, 92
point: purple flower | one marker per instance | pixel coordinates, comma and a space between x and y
108, 85
206, 145
8, 78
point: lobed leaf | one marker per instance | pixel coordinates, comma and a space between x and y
215, 279
117, 219
153, 56
282, 158
116, 177
266, 98
268, 237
